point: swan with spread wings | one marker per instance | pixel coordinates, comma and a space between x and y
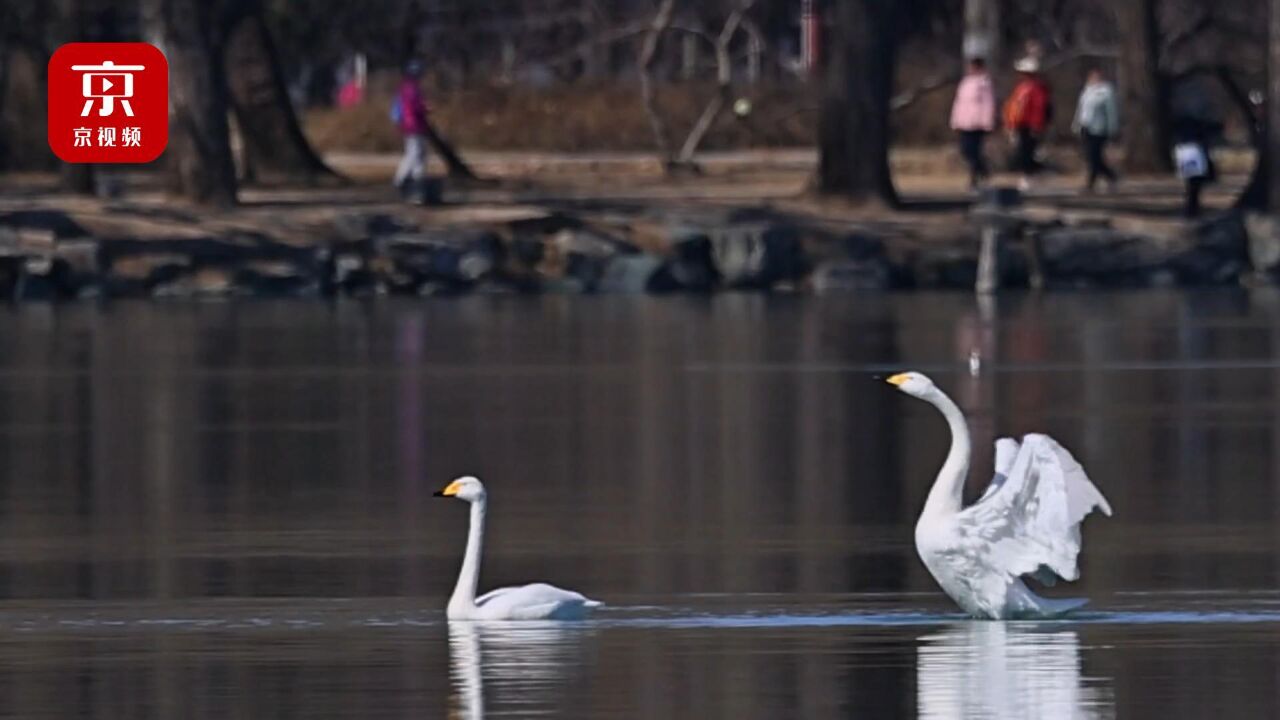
1026, 525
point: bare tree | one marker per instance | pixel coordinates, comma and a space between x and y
274, 145
982, 32
853, 133
720, 43
199, 154
724, 81
1269, 159
1145, 89
648, 57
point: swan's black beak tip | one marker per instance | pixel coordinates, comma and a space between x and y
438, 493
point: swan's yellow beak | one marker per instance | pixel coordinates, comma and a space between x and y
450, 490
897, 380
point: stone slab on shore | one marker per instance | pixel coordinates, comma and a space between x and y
53, 254
745, 226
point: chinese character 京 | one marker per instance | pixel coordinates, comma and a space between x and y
106, 82
82, 137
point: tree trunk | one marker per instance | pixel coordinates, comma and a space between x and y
1145, 101
5, 50
982, 37
74, 25
853, 133
455, 166
274, 146
1268, 165
199, 154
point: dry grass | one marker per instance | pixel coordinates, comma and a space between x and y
571, 118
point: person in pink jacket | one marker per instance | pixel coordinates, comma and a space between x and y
973, 115
411, 117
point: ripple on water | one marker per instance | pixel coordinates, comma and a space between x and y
704, 613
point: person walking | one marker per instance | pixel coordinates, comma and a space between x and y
1026, 117
1196, 125
409, 110
1097, 120
973, 115
1193, 137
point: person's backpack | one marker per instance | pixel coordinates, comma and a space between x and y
396, 113
1015, 108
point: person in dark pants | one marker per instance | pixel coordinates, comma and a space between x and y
1026, 117
1097, 120
973, 115
1197, 123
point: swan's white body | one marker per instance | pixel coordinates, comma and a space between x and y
1027, 524
538, 601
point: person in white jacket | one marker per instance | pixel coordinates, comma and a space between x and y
1097, 120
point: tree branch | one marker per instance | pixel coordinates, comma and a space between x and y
648, 57
724, 80
909, 97
1187, 32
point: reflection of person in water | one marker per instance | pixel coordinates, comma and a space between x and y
992, 670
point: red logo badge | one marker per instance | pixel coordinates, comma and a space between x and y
108, 103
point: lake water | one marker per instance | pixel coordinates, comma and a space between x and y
224, 510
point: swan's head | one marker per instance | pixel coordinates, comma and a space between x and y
464, 488
912, 383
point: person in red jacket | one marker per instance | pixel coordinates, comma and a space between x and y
1026, 117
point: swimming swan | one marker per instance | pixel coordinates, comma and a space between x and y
1026, 524
538, 601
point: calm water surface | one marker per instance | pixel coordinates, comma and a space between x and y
224, 511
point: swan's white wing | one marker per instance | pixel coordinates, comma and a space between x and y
1032, 521
532, 602
1006, 453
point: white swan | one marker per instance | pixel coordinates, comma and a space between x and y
538, 601
1026, 524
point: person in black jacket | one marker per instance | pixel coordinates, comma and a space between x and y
1195, 127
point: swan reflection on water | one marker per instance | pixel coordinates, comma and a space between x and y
1003, 670
526, 661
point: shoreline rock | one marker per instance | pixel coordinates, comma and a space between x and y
47, 255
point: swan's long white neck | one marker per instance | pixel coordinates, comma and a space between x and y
464, 593
947, 494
